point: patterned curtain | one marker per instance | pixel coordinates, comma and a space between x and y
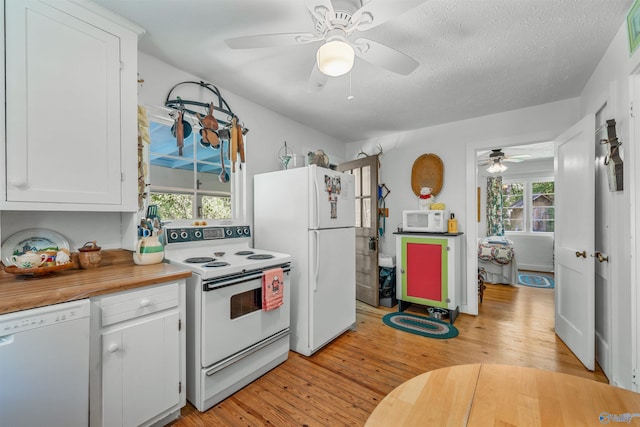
495, 226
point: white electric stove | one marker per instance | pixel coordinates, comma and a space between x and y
231, 340
214, 252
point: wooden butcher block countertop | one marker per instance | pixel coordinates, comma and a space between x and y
117, 272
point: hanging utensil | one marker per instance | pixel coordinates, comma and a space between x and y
179, 133
209, 127
233, 154
240, 142
224, 175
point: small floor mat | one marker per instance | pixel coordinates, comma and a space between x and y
425, 326
536, 280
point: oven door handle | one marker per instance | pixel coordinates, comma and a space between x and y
214, 284
246, 352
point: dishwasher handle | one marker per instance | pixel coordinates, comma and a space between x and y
6, 340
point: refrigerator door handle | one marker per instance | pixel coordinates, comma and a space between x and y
316, 264
315, 199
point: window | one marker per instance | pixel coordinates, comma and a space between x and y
528, 206
186, 185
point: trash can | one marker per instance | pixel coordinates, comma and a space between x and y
387, 280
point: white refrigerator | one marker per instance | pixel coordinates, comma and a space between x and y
309, 213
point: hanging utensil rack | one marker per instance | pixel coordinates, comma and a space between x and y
221, 105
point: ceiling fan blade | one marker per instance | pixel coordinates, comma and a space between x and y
378, 12
271, 40
317, 80
320, 8
384, 56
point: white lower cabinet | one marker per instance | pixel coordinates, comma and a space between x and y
138, 356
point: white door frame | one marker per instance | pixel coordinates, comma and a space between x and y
471, 223
634, 230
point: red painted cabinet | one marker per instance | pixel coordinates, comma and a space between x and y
428, 270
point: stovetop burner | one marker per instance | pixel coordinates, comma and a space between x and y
260, 256
199, 260
216, 264
242, 253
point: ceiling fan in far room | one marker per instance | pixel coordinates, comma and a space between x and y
497, 157
337, 27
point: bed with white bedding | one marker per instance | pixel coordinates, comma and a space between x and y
497, 257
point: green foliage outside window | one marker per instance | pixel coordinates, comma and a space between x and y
513, 206
216, 207
173, 206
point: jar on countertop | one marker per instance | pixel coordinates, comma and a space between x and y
90, 255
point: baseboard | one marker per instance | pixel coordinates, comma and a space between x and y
533, 267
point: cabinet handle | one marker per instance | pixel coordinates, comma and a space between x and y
145, 302
113, 348
19, 182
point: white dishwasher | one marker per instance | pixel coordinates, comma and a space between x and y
44, 366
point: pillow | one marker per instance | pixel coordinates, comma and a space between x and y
484, 252
502, 255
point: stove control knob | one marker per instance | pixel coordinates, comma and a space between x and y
197, 234
173, 235
229, 232
246, 231
184, 234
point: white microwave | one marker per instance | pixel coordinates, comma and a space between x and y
429, 221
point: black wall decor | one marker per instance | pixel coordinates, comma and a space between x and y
613, 161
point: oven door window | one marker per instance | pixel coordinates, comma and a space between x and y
245, 303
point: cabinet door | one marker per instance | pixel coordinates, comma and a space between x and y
424, 271
140, 371
63, 108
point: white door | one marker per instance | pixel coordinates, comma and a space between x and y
602, 245
55, 153
333, 284
333, 204
574, 240
365, 172
140, 371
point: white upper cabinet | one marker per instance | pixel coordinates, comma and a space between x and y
71, 119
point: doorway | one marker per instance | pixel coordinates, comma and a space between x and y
365, 171
603, 291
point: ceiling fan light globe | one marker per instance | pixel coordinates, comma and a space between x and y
335, 58
497, 167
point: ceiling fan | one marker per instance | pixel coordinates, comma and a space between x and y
337, 24
497, 157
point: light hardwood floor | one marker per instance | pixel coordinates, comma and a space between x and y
342, 383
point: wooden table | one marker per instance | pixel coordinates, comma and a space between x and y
492, 395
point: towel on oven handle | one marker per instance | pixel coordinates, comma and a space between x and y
272, 288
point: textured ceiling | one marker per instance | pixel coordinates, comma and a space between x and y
476, 57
